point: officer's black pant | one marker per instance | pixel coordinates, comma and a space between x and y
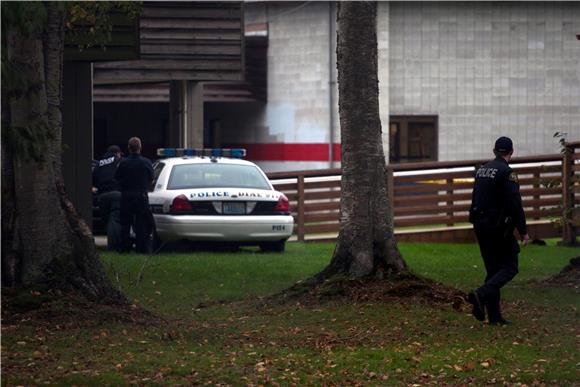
135, 212
500, 257
110, 207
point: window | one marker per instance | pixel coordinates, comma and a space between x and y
157, 168
216, 176
413, 139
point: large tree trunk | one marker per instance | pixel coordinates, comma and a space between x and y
43, 239
366, 243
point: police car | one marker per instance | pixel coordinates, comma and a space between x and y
214, 195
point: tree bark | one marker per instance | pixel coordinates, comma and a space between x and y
44, 241
366, 243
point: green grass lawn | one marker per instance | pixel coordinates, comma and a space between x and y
216, 330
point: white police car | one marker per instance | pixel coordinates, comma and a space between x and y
213, 195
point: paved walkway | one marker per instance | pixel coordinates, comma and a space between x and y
101, 240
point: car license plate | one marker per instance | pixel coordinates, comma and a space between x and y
234, 208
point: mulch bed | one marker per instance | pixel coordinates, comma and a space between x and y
569, 276
391, 289
67, 310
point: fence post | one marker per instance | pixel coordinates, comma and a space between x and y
450, 202
568, 237
300, 208
537, 196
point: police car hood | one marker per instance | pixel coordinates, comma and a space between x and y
229, 194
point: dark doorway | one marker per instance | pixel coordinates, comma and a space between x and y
413, 139
116, 122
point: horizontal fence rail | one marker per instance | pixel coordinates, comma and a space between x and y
430, 194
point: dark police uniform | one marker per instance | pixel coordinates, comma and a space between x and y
134, 175
495, 211
109, 197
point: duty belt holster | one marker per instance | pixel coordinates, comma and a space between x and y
507, 226
491, 221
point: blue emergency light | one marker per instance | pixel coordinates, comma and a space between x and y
237, 153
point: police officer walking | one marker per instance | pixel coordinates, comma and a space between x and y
135, 174
496, 209
108, 195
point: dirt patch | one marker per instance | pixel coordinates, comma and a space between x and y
67, 310
569, 276
391, 289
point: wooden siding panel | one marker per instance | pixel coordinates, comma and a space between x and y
175, 75
191, 11
191, 24
194, 64
201, 41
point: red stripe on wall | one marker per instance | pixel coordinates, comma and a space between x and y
288, 151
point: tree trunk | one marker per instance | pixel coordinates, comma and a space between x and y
366, 243
43, 239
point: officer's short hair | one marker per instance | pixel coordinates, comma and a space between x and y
113, 149
134, 145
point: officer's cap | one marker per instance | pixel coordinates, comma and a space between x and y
504, 144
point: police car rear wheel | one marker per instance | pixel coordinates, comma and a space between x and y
273, 247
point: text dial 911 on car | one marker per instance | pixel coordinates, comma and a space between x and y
212, 195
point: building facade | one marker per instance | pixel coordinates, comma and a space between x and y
453, 77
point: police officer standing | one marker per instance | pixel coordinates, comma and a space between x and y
496, 209
135, 174
108, 195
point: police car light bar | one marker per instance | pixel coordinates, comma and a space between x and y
237, 153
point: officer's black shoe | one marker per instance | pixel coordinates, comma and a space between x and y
500, 322
478, 310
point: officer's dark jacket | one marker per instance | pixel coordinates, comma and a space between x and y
496, 195
104, 173
134, 174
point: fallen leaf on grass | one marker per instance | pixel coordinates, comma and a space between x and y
470, 366
416, 359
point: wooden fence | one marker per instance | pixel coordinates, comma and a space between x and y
571, 193
432, 194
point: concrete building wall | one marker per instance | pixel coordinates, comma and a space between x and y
383, 25
301, 76
487, 69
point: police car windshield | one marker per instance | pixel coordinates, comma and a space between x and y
216, 176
